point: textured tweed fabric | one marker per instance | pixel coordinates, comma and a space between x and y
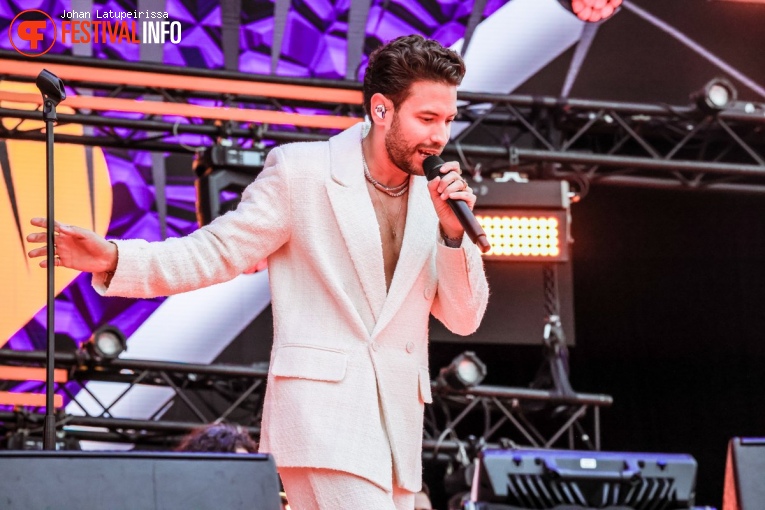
325, 489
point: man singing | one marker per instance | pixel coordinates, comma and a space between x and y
361, 250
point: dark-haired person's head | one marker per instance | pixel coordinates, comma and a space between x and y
220, 438
394, 67
410, 95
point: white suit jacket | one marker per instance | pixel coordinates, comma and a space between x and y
349, 365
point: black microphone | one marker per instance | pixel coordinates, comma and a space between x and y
432, 166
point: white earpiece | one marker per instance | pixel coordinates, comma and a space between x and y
380, 111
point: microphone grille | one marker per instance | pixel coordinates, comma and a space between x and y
432, 166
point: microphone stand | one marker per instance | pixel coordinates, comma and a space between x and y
52, 90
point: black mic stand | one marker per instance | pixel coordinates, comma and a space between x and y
52, 90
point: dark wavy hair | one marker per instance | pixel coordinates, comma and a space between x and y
395, 66
218, 438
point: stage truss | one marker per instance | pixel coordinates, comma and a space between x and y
456, 423
152, 107
207, 394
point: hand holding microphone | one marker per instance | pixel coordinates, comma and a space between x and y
432, 166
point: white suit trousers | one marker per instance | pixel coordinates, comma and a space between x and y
326, 489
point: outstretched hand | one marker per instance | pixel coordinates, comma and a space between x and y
74, 247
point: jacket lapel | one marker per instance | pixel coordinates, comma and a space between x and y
355, 215
419, 240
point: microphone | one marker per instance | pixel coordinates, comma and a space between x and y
432, 166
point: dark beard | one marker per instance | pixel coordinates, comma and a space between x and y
398, 150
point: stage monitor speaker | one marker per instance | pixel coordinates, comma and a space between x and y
554, 479
745, 474
130, 480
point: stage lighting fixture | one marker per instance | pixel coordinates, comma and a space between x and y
522, 233
592, 11
716, 95
524, 221
106, 343
465, 371
223, 172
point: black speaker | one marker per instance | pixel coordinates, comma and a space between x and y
42, 480
745, 474
555, 479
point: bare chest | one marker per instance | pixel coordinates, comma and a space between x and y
391, 220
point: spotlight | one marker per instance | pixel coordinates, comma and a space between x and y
223, 172
465, 371
716, 95
592, 10
106, 343
523, 234
525, 222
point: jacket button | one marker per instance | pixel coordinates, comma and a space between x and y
409, 346
428, 293
374, 346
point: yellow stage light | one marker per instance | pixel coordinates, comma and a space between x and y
524, 234
527, 221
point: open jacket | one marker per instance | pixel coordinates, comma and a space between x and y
349, 366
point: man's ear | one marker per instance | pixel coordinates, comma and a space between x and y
380, 108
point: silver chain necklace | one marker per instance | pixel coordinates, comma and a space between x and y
394, 192
391, 191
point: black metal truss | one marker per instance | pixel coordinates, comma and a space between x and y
614, 143
583, 141
455, 424
210, 393
459, 422
152, 132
